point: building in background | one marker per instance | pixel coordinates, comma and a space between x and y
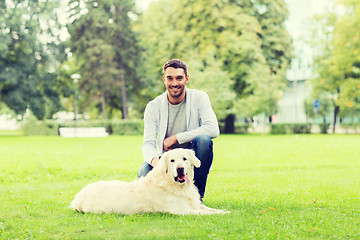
300, 71
291, 106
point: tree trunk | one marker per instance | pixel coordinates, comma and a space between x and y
123, 96
336, 111
229, 124
103, 104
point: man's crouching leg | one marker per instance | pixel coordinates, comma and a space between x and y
203, 147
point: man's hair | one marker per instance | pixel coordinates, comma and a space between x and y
176, 63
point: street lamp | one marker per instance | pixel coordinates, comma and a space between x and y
75, 78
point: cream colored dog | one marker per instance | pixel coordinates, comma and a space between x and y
167, 188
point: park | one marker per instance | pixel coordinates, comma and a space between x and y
281, 80
275, 187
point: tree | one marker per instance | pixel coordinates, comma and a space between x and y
345, 60
237, 42
105, 45
30, 50
338, 64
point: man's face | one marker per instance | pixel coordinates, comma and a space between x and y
175, 81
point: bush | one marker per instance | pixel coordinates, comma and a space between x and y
127, 127
324, 127
288, 128
83, 123
115, 127
240, 128
44, 128
301, 128
279, 128
350, 126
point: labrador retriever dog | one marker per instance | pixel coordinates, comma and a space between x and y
167, 188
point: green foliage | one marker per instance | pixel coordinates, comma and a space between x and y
355, 126
114, 127
216, 83
324, 109
279, 129
234, 49
240, 128
40, 128
289, 128
127, 127
324, 127
301, 128
338, 65
28, 62
106, 49
289, 187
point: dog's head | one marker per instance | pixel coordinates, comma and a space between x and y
179, 165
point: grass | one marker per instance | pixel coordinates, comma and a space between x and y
276, 187
11, 133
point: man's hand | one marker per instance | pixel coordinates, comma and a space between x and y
169, 142
154, 162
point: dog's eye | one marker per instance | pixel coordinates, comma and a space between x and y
184, 158
172, 160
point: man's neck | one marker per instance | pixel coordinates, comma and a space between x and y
175, 101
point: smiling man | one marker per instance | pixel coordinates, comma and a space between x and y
179, 118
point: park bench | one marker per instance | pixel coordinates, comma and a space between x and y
83, 132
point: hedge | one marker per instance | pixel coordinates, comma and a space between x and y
288, 128
350, 126
115, 127
46, 128
240, 128
324, 127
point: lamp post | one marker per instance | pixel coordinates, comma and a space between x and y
75, 78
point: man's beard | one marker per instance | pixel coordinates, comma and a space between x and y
178, 93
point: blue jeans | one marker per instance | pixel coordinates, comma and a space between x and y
203, 147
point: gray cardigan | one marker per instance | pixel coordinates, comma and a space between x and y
200, 119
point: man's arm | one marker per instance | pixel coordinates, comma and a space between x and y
154, 162
150, 133
209, 124
168, 142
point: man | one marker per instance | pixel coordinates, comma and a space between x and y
179, 118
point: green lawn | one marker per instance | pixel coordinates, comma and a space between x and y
276, 187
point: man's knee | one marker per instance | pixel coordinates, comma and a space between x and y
203, 141
144, 169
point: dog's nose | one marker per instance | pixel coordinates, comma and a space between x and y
180, 171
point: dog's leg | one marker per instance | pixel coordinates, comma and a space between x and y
213, 210
202, 211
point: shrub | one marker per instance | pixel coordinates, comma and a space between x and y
127, 127
278, 128
324, 127
287, 128
242, 128
45, 127
301, 128
116, 127
350, 126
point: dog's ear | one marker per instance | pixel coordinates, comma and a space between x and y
163, 163
194, 160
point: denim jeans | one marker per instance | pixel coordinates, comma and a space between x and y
203, 147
